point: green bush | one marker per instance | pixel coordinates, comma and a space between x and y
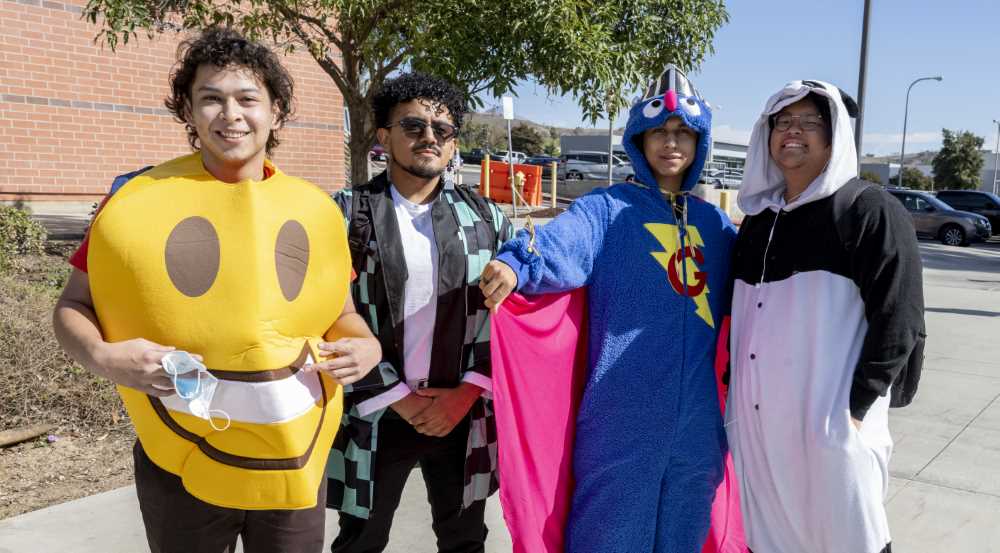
19, 235
871, 176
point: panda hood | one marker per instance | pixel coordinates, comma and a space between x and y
669, 95
763, 184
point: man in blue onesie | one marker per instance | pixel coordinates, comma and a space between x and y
649, 439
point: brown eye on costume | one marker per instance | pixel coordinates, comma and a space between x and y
291, 258
192, 256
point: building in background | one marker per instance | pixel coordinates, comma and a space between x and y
73, 114
730, 154
591, 143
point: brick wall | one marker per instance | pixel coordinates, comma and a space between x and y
73, 114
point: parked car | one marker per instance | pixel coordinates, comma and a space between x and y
545, 162
594, 166
712, 177
722, 178
377, 153
474, 156
974, 201
933, 218
518, 157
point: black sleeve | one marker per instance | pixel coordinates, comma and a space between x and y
885, 264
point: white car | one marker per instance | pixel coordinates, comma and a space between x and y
504, 156
593, 166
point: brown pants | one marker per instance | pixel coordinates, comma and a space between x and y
177, 522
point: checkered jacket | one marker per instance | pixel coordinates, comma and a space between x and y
472, 229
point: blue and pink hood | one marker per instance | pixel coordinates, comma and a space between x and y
669, 95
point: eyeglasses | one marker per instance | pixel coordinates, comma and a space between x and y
415, 128
808, 123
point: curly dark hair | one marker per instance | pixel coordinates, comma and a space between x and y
226, 48
410, 86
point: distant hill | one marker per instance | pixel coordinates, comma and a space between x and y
497, 121
917, 158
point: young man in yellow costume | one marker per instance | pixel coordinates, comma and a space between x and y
222, 255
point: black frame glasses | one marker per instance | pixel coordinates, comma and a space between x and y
414, 127
808, 123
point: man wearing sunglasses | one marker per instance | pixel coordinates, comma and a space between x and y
827, 331
418, 245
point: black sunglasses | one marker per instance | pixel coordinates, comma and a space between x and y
415, 128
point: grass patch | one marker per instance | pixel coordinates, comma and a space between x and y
38, 381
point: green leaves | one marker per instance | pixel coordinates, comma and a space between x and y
959, 163
596, 50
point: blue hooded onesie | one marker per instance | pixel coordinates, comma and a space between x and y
649, 439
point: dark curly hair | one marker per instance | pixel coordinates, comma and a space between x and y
226, 48
410, 86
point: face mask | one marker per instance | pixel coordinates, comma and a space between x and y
194, 383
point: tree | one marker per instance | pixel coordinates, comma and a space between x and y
871, 176
959, 163
524, 138
474, 135
916, 179
578, 47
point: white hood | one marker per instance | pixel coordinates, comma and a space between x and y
763, 184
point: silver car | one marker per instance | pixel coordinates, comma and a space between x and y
578, 165
935, 219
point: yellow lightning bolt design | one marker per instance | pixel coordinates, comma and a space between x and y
669, 238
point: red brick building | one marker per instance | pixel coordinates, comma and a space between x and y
73, 114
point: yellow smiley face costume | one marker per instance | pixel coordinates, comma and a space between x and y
251, 276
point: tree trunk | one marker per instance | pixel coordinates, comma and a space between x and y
362, 138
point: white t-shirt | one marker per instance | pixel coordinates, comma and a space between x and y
416, 233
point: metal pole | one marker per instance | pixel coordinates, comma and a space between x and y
906, 113
611, 148
996, 157
859, 123
485, 188
555, 168
510, 163
902, 149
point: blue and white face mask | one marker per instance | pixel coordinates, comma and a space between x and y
194, 384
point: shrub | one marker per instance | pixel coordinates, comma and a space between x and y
19, 235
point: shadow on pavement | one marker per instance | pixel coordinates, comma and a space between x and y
978, 257
972, 312
63, 227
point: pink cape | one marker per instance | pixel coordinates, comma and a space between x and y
539, 355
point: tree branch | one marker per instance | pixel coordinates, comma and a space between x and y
377, 17
315, 23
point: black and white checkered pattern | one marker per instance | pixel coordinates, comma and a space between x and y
483, 227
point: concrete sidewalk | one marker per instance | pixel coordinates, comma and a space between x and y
944, 494
110, 523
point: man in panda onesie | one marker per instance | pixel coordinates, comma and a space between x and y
827, 316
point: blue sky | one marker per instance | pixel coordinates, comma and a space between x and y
770, 42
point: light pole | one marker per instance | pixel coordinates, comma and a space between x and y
859, 123
996, 157
906, 113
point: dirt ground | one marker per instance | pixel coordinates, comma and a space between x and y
37, 474
91, 447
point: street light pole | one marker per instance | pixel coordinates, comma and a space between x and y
906, 113
859, 123
996, 157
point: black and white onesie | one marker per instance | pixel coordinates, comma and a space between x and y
827, 311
